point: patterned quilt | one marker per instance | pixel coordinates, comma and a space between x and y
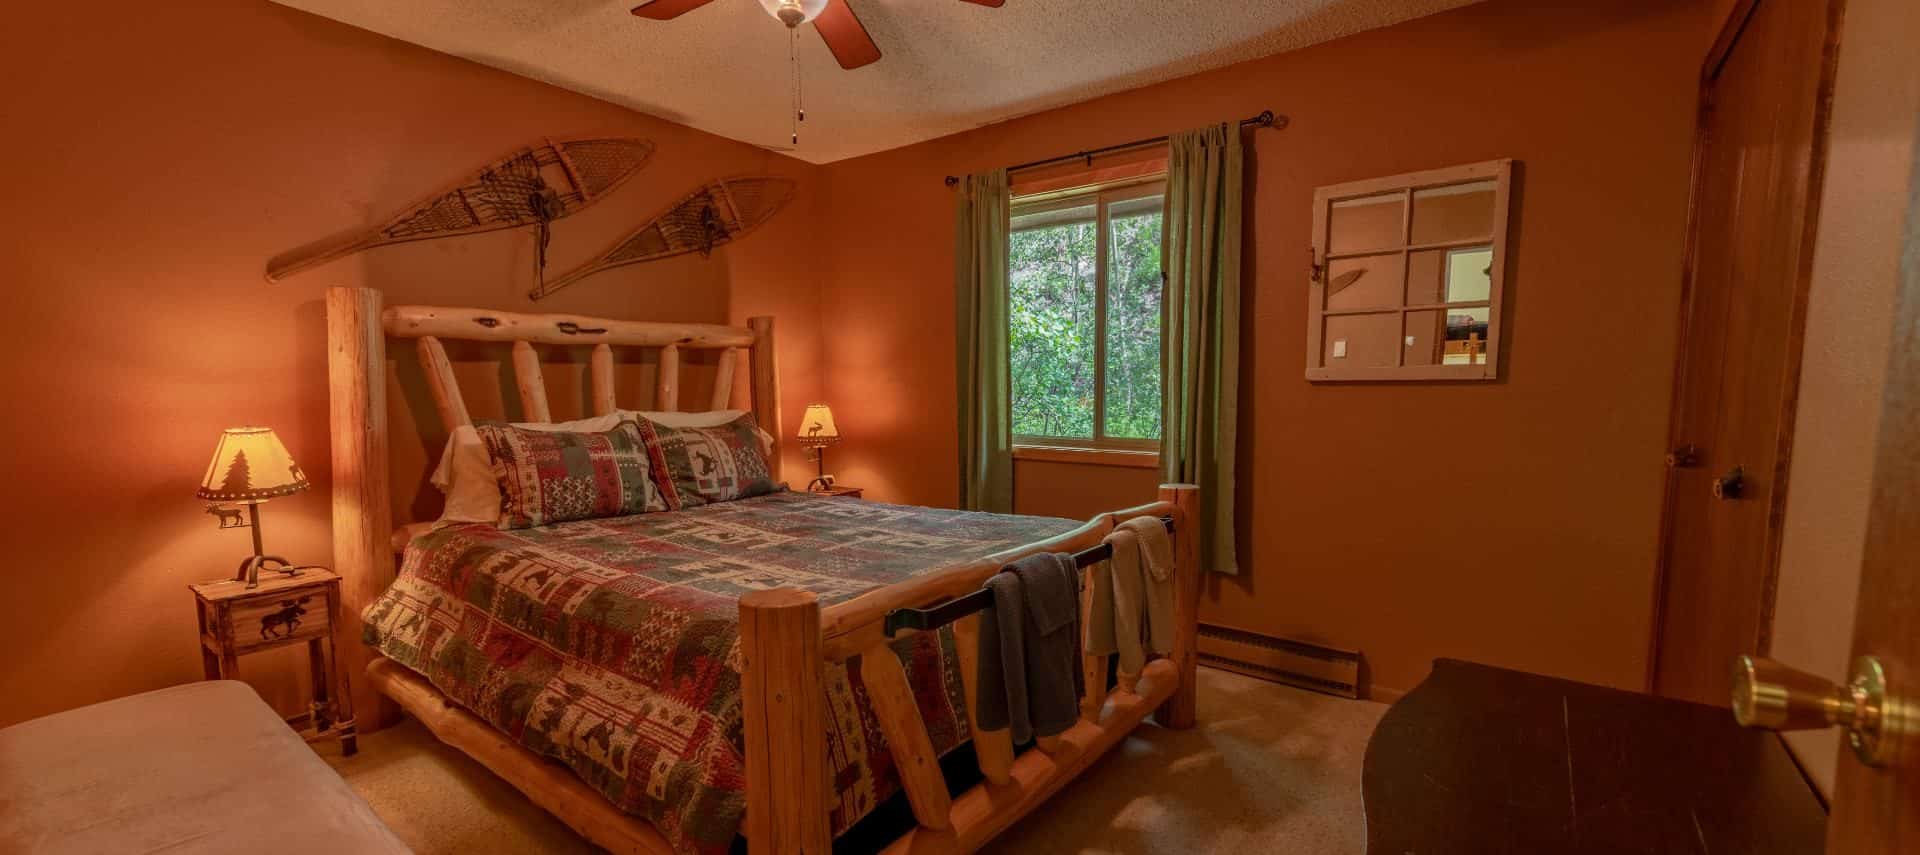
611, 645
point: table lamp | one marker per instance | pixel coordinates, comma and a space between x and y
250, 466
817, 431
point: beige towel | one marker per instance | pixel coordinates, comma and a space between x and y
1133, 586
1155, 546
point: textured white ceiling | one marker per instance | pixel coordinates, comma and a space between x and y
946, 66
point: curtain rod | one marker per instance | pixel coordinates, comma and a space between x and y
1266, 119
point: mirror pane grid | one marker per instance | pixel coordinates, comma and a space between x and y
1363, 340
1367, 223
1365, 282
1456, 212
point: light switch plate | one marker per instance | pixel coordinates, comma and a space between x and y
1339, 348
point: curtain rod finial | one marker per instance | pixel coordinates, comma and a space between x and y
952, 181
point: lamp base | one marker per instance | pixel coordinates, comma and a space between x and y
250, 568
823, 481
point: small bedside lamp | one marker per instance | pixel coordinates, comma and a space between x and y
817, 431
250, 466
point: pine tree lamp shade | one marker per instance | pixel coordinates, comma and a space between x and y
250, 465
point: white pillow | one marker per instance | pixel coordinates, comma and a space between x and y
465, 473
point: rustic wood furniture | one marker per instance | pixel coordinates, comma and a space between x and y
284, 610
786, 638
1488, 761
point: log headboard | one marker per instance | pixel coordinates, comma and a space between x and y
358, 326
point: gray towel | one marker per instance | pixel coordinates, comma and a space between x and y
1030, 676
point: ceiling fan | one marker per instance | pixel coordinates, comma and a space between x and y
845, 36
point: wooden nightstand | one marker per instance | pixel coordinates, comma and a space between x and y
839, 491
235, 621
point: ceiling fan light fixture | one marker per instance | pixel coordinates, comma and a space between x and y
793, 13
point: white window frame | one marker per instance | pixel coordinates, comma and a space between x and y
1125, 451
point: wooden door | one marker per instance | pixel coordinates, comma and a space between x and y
1876, 811
1765, 91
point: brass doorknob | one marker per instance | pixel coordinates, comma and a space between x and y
1772, 696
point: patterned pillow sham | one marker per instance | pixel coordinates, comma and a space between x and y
556, 476
695, 466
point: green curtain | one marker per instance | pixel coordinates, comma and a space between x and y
1201, 252
980, 313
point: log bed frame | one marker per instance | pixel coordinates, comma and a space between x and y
786, 638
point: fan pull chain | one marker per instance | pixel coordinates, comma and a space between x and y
799, 106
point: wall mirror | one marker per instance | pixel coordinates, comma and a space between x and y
1407, 276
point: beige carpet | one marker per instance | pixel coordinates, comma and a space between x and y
1270, 769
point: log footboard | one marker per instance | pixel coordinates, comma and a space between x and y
786, 648
787, 639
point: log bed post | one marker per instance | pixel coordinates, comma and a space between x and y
1179, 711
666, 385
723, 381
766, 387
362, 513
532, 383
783, 703
601, 371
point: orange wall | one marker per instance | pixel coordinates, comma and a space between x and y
157, 160
154, 159
1510, 522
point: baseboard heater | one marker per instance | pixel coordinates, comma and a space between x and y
1294, 663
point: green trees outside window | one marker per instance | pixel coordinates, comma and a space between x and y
1084, 326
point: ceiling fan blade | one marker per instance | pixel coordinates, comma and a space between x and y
662, 10
993, 3
845, 35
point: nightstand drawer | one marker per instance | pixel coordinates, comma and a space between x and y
277, 618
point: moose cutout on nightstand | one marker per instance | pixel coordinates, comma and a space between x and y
286, 621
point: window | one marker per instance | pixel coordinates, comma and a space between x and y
1407, 276
1084, 289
